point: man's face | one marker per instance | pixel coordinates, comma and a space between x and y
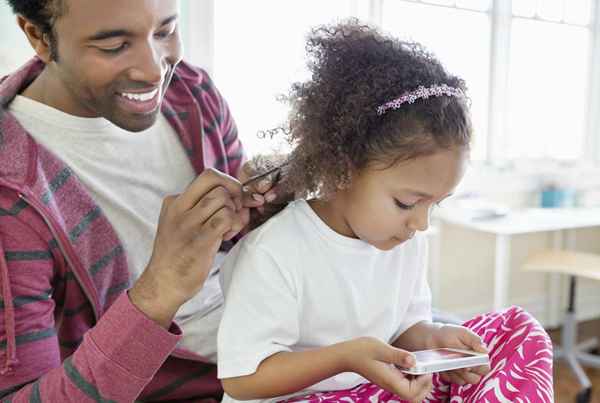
116, 59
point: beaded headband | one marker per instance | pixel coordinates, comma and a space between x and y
420, 93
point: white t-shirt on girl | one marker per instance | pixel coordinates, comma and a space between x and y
294, 284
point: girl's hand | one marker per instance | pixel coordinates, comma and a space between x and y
452, 336
378, 362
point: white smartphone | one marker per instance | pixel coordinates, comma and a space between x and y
445, 359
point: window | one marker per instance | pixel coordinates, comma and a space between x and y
527, 64
259, 52
14, 48
549, 61
459, 37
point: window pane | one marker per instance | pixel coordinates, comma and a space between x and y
14, 48
259, 52
464, 50
441, 2
524, 8
481, 5
578, 12
548, 77
551, 10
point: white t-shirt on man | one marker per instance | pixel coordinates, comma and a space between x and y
128, 175
295, 284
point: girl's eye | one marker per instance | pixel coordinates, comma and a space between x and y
404, 206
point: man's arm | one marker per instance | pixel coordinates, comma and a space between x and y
121, 354
115, 360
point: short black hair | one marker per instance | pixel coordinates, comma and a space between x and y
42, 13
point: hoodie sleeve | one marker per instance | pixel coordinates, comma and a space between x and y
115, 360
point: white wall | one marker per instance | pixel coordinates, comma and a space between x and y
466, 257
467, 266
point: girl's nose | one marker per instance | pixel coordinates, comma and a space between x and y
419, 219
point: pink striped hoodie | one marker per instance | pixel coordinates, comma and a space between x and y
68, 332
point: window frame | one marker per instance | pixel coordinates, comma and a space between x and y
200, 43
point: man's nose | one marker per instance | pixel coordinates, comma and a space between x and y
149, 67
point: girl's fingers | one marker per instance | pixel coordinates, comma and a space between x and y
471, 377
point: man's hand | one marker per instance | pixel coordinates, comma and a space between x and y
191, 227
263, 197
259, 192
451, 336
378, 361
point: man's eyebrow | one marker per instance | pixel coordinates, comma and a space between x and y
168, 20
113, 33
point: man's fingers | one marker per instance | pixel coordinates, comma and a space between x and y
252, 200
243, 220
207, 206
221, 223
204, 183
271, 195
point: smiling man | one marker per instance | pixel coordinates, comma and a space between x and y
118, 167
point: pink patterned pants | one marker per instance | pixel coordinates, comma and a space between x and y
521, 367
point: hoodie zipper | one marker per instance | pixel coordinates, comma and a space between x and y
60, 242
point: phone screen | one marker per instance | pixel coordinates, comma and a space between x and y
436, 355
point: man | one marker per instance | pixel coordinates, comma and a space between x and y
95, 132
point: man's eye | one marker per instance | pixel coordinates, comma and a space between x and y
114, 50
165, 34
404, 206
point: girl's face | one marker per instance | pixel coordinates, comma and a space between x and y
385, 206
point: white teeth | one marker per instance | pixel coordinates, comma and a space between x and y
140, 97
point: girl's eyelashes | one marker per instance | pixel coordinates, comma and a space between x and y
404, 206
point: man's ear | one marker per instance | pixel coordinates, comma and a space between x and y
40, 42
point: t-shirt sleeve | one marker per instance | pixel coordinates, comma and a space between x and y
261, 311
419, 308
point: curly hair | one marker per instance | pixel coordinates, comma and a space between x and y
333, 124
42, 13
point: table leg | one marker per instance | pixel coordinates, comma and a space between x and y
433, 233
501, 271
555, 285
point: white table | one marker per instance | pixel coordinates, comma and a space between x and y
525, 221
